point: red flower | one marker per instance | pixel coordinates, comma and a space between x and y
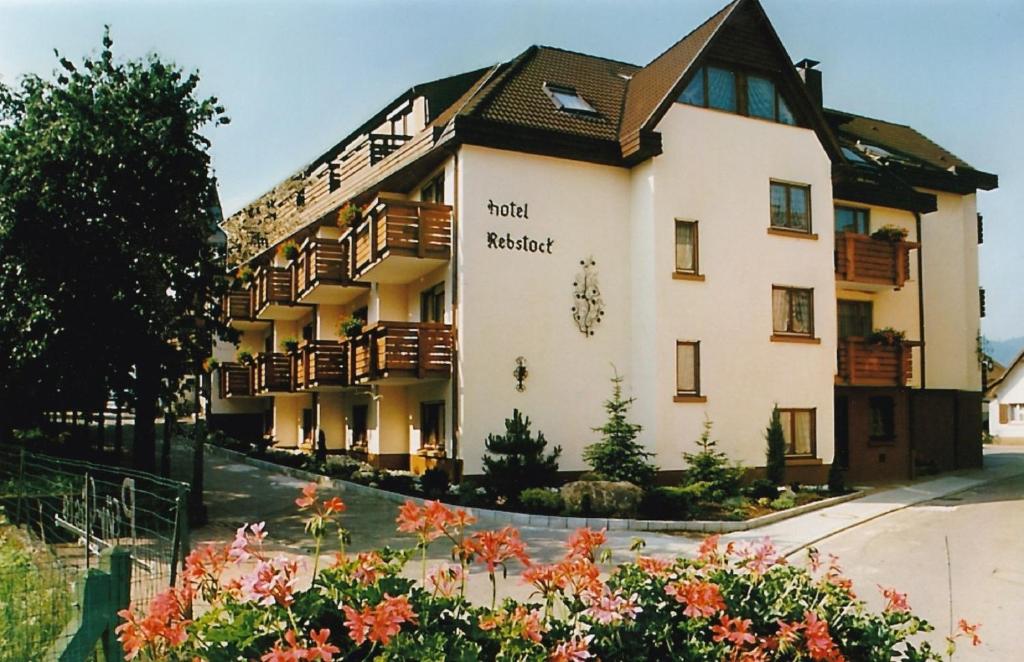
293, 653
494, 548
819, 643
584, 541
162, 628
432, 521
654, 567
380, 623
733, 630
895, 601
445, 578
708, 550
702, 599
321, 650
789, 633
579, 576
970, 630
528, 623
548, 579
333, 505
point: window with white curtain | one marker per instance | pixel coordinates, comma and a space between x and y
686, 247
798, 428
793, 310
687, 367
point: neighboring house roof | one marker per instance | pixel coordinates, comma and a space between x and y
1016, 364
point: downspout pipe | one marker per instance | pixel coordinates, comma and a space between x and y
456, 209
912, 413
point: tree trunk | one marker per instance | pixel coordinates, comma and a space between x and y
147, 387
165, 452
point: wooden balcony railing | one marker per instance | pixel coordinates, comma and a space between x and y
273, 286
383, 144
322, 262
402, 228
322, 363
863, 363
235, 380
406, 350
861, 259
273, 372
238, 305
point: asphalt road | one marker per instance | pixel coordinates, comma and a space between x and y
984, 576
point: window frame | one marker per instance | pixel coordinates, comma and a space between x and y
695, 271
866, 211
793, 411
432, 301
840, 303
789, 318
741, 92
433, 188
553, 90
789, 187
696, 392
362, 441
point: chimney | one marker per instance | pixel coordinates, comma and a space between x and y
811, 78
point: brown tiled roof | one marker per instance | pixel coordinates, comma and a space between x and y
517, 95
899, 139
650, 85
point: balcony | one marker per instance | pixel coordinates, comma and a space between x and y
323, 272
273, 372
871, 265
401, 240
402, 353
321, 365
235, 380
863, 363
275, 300
383, 144
238, 309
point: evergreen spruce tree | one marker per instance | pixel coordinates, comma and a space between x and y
516, 461
711, 468
776, 453
618, 456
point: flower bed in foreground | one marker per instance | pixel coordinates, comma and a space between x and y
732, 603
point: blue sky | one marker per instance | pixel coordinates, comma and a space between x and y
297, 75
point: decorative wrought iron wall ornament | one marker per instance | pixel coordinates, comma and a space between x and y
589, 308
520, 373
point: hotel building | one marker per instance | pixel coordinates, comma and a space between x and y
701, 223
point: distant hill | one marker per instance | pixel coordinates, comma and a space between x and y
1005, 351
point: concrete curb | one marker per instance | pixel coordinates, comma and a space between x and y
503, 517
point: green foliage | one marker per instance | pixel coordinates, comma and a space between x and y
670, 503
618, 456
886, 336
775, 464
107, 203
762, 488
712, 467
351, 326
435, 482
785, 500
516, 460
892, 233
541, 501
836, 479
35, 599
290, 344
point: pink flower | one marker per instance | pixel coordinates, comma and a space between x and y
708, 550
611, 607
574, 650
293, 653
445, 579
308, 497
271, 582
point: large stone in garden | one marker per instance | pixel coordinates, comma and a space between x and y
601, 498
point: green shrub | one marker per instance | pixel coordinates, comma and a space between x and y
341, 466
784, 501
541, 501
775, 464
712, 467
435, 482
473, 494
397, 481
516, 460
618, 456
836, 479
668, 503
762, 488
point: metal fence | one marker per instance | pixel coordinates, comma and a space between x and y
58, 516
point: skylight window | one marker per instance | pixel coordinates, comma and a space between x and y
568, 99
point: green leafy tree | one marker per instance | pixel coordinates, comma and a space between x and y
516, 460
711, 470
775, 464
619, 456
106, 200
